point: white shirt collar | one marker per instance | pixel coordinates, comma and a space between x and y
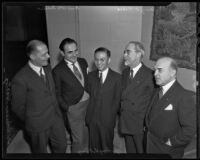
104, 74
69, 63
166, 87
135, 70
36, 68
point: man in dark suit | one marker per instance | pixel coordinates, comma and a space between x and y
104, 88
171, 115
34, 101
137, 88
70, 77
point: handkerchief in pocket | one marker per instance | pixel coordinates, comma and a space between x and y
169, 107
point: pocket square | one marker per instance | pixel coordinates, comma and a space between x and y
169, 107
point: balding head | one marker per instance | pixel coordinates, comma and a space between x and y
165, 70
37, 52
33, 46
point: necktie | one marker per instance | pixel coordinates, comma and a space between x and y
76, 72
100, 78
131, 74
160, 93
42, 75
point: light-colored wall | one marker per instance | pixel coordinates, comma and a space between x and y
61, 23
111, 27
108, 26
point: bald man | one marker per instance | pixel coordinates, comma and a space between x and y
34, 101
171, 115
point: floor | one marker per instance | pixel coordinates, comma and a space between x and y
19, 145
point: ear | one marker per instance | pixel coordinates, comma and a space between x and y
109, 60
62, 53
173, 72
32, 57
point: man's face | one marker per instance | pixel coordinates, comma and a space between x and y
163, 72
101, 60
71, 52
40, 56
130, 55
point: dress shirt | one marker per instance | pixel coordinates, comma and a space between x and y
70, 65
136, 69
166, 87
104, 74
36, 68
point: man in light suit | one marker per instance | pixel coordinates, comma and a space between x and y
171, 115
70, 77
104, 88
34, 101
137, 88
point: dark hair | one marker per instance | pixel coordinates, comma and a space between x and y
66, 41
102, 49
32, 46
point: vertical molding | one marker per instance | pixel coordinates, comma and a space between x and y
77, 28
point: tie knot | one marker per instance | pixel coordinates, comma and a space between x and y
41, 71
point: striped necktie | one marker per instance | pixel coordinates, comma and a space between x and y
76, 72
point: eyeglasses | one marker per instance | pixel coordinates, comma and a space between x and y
129, 51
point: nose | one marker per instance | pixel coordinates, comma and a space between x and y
155, 73
48, 56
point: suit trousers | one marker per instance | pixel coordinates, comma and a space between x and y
134, 143
56, 135
79, 132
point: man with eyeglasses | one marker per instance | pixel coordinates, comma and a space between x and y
137, 88
70, 77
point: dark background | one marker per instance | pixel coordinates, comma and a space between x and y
21, 23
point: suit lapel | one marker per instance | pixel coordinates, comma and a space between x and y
166, 99
108, 79
69, 71
140, 75
152, 103
35, 76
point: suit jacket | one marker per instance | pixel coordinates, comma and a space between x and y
175, 117
104, 100
134, 100
69, 90
32, 100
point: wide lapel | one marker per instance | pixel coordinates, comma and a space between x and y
35, 76
153, 101
69, 72
166, 99
107, 81
138, 78
48, 78
96, 83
